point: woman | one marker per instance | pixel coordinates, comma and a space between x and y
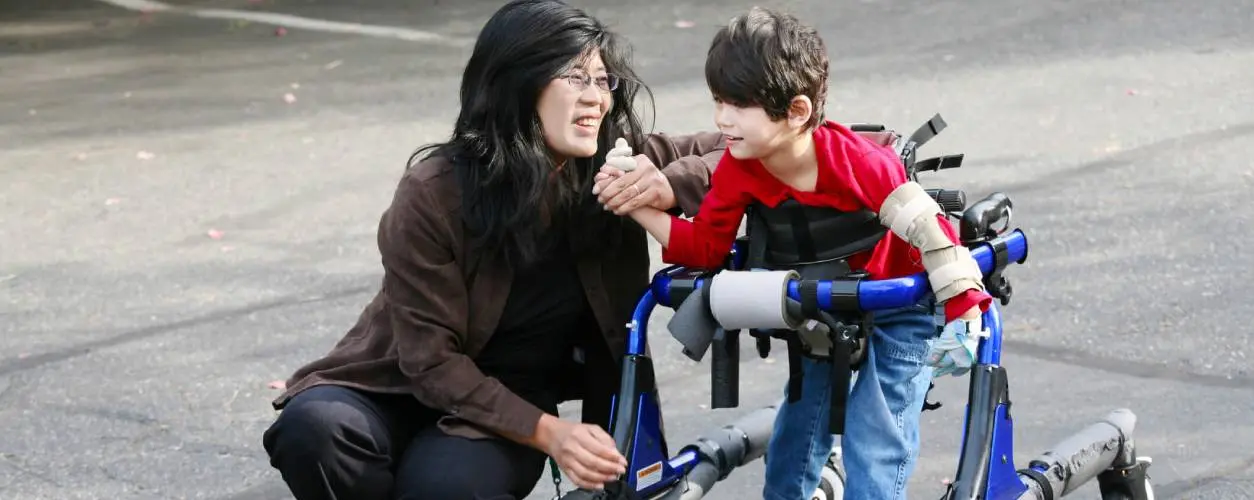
506, 284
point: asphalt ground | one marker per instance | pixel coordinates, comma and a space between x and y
175, 235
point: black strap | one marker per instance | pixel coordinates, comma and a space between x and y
809, 298
1001, 254
763, 342
841, 374
939, 163
845, 294
928, 405
794, 368
928, 130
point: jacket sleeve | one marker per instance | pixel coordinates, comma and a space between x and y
687, 161
427, 299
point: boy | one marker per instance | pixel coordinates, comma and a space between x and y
768, 74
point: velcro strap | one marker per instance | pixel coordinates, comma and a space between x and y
949, 266
809, 291
912, 210
903, 206
947, 274
845, 295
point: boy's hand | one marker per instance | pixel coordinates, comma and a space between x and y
622, 192
954, 352
620, 157
972, 314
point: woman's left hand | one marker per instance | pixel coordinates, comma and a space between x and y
622, 192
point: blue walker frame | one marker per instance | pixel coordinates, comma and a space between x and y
986, 469
645, 446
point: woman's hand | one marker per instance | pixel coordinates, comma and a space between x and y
586, 453
622, 192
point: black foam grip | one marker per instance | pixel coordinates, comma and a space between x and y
950, 200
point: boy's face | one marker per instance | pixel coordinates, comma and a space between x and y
750, 132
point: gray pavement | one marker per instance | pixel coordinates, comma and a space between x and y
174, 235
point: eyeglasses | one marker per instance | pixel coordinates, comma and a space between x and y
580, 81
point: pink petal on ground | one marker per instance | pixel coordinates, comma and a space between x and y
280, 31
289, 98
684, 24
215, 234
277, 384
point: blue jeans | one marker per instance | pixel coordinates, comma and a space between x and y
881, 440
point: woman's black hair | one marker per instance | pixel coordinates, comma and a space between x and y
513, 196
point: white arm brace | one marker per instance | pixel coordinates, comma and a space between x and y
912, 215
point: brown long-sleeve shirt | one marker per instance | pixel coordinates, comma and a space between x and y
440, 303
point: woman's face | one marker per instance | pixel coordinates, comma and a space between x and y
571, 107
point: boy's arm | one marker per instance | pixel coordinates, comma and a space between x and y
705, 241
687, 162
904, 207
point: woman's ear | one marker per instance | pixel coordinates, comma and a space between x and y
800, 109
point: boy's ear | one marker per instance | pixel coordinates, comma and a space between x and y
800, 109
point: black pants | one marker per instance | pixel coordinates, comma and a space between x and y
335, 443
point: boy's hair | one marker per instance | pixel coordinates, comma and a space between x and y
766, 58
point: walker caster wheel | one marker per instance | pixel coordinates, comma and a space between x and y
831, 482
1131, 483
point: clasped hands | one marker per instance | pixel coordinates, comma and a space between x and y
627, 182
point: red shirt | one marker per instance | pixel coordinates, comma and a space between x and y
854, 174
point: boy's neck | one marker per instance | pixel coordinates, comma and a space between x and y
793, 159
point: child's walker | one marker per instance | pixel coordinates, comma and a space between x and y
986, 469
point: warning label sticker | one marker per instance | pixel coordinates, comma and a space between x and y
648, 476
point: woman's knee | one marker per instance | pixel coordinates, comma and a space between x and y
438, 466
318, 422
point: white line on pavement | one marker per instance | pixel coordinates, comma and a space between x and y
144, 5
289, 21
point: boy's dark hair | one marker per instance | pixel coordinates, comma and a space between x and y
766, 58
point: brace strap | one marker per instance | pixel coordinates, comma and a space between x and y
916, 208
911, 214
951, 271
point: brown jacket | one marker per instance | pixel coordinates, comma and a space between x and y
439, 305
